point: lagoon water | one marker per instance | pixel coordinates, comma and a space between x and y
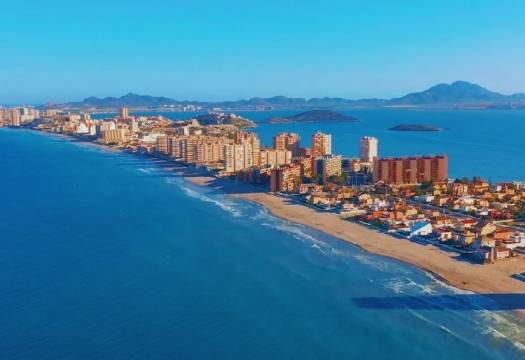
106, 255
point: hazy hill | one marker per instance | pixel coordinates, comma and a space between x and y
313, 116
459, 93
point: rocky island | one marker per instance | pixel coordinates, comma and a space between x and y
313, 116
415, 127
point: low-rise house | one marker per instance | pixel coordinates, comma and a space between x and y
484, 228
487, 254
350, 210
517, 239
420, 228
441, 221
464, 238
463, 224
424, 198
502, 234
442, 200
458, 189
443, 234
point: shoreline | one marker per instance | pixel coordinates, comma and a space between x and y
447, 267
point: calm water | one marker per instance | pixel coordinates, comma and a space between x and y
487, 143
104, 255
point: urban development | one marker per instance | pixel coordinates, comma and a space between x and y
410, 197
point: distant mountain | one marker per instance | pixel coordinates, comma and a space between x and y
130, 100
456, 94
313, 116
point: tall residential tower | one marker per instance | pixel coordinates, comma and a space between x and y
368, 149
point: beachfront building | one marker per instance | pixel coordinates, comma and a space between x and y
244, 155
12, 117
251, 140
411, 170
368, 149
327, 166
420, 228
321, 144
105, 126
115, 136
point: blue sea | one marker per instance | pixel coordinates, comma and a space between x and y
106, 255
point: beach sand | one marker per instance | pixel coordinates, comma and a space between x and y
446, 266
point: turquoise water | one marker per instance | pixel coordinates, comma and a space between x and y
105, 255
487, 143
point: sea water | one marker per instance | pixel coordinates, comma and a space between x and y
106, 255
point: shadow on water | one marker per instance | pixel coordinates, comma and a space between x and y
460, 302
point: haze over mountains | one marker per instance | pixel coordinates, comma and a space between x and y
457, 94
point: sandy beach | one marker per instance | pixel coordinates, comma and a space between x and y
490, 279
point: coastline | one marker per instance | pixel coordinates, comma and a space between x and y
493, 279
448, 267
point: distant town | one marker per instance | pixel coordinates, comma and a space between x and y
408, 197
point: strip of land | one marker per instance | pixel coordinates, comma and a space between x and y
447, 266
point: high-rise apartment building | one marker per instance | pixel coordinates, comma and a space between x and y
411, 170
123, 113
286, 141
321, 144
327, 166
286, 178
115, 136
239, 157
14, 117
368, 149
275, 157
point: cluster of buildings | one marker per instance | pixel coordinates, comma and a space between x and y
17, 116
408, 196
415, 212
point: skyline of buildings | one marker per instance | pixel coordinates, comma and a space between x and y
372, 188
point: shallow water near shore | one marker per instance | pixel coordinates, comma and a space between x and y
107, 255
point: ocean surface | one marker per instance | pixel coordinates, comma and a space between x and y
486, 143
105, 255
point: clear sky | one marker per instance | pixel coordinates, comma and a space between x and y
62, 50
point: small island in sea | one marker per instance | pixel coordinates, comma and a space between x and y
313, 116
415, 127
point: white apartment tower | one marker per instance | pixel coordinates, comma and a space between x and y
368, 149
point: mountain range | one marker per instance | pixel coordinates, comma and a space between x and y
457, 94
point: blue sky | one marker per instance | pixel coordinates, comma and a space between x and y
211, 50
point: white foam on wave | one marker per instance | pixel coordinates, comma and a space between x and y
503, 327
439, 326
404, 284
146, 170
296, 232
444, 285
378, 263
224, 204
